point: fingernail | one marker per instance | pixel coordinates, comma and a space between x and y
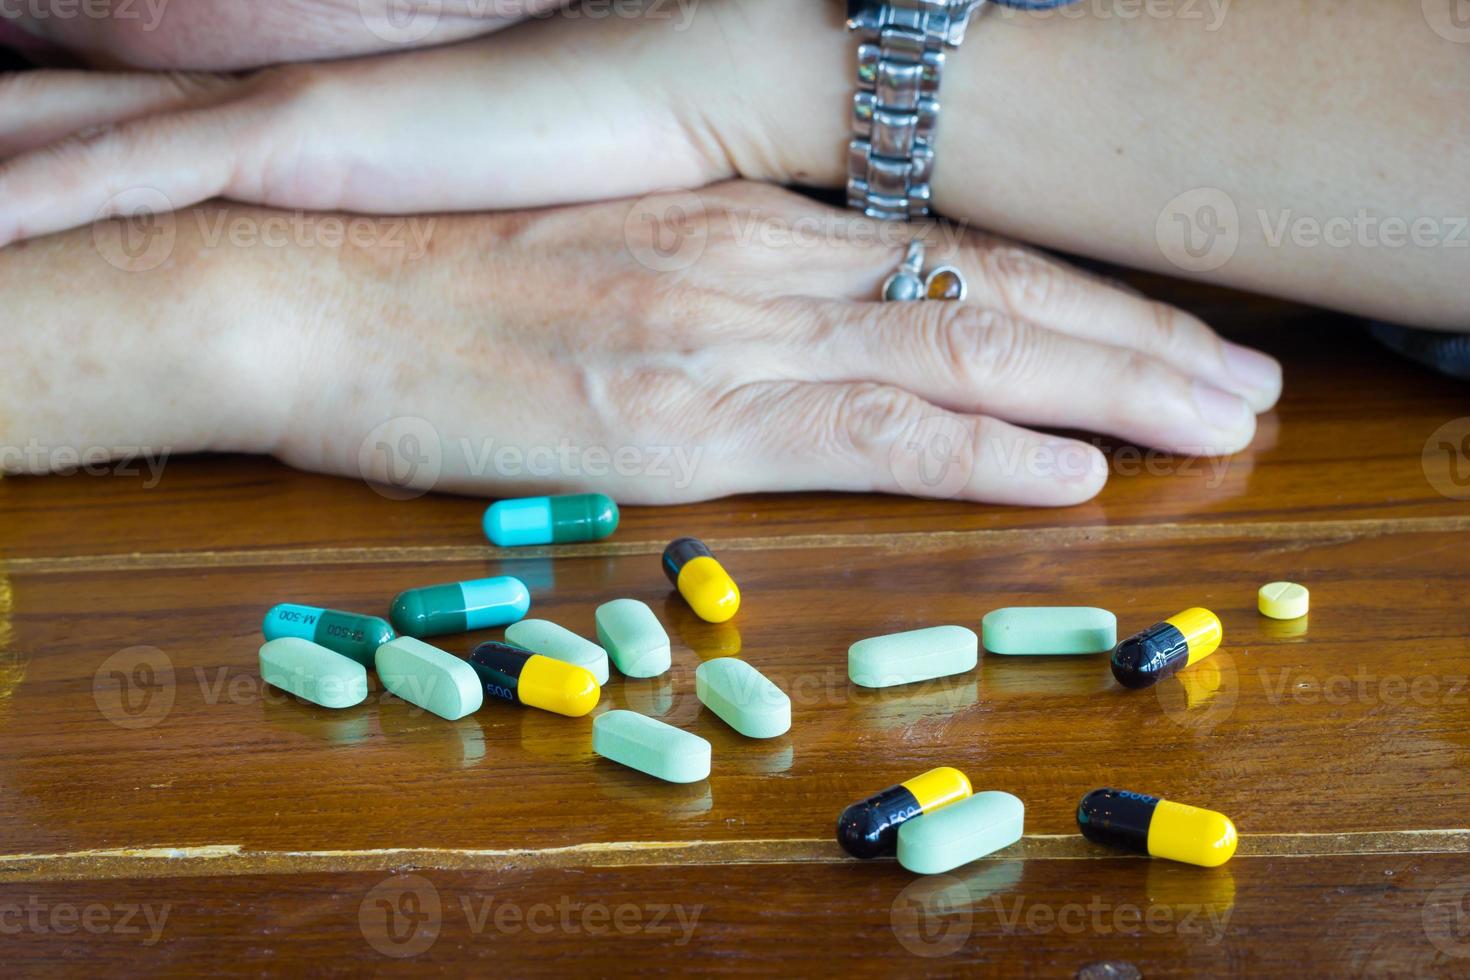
1076, 462
1220, 408
1257, 371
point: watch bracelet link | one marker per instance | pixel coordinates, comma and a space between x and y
896, 109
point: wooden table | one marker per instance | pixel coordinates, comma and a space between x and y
165, 813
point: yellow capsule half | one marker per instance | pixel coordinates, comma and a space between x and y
1181, 832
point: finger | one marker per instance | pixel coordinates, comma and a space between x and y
38, 108
866, 438
1031, 286
851, 258
973, 360
181, 158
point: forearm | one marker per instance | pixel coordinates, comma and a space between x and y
1081, 132
107, 356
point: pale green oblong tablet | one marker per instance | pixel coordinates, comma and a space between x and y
919, 655
559, 643
1049, 630
959, 833
313, 672
648, 745
743, 697
430, 678
633, 637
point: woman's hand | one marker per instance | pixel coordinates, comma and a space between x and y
672, 349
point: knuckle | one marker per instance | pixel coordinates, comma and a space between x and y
984, 347
1171, 329
870, 418
1025, 281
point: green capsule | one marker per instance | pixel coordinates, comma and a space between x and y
551, 520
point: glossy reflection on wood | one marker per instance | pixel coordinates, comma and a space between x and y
144, 765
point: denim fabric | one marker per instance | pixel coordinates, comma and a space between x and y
1447, 352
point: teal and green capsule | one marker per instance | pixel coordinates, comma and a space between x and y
551, 520
350, 634
459, 607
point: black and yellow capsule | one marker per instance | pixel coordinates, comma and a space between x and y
869, 829
508, 674
1161, 828
1157, 652
702, 581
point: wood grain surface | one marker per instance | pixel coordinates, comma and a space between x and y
166, 813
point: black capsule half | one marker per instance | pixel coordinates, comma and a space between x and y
1117, 818
1144, 660
869, 829
681, 552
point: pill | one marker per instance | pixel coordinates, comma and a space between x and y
1158, 652
508, 674
430, 678
1283, 600
1042, 630
349, 634
648, 745
558, 643
919, 655
551, 520
458, 607
960, 833
701, 580
869, 828
1164, 829
743, 698
311, 671
632, 636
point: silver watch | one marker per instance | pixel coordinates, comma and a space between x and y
901, 52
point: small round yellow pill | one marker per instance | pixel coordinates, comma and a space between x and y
1283, 600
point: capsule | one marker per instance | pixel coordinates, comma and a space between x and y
1161, 828
458, 607
519, 677
869, 829
702, 581
1160, 651
551, 520
350, 634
